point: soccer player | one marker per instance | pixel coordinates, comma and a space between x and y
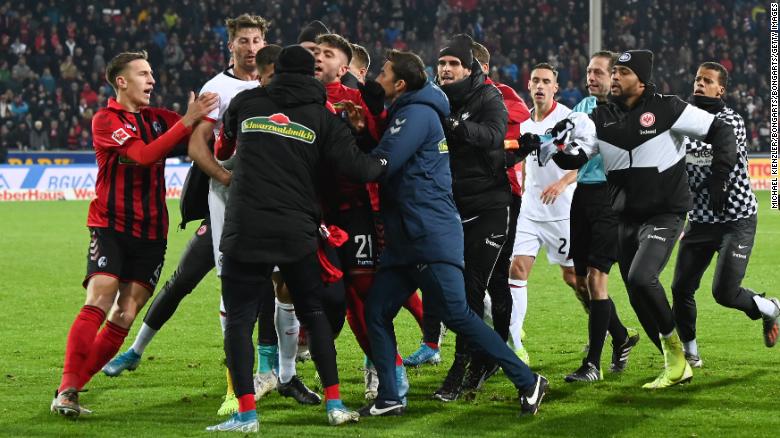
355, 207
640, 138
730, 230
128, 220
544, 215
594, 242
273, 219
360, 63
424, 236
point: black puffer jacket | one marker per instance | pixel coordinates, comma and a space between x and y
475, 136
285, 135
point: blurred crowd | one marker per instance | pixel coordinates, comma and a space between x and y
53, 53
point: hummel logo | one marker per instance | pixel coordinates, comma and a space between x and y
395, 129
400, 122
606, 124
659, 229
743, 246
465, 115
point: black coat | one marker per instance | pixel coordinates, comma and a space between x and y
285, 135
476, 144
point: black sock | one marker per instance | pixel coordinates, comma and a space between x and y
616, 328
598, 320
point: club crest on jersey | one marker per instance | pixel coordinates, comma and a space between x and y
647, 119
120, 136
279, 124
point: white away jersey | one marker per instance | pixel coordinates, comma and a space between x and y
538, 178
226, 86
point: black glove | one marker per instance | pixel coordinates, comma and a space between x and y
719, 193
373, 95
528, 143
560, 127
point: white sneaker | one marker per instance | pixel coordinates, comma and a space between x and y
265, 383
371, 380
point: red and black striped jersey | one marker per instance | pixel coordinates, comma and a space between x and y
130, 197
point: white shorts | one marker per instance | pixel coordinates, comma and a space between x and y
217, 200
531, 235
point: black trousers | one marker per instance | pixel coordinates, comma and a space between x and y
483, 239
733, 241
319, 307
498, 286
644, 248
196, 261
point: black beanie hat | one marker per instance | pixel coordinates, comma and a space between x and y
311, 31
460, 47
295, 59
640, 62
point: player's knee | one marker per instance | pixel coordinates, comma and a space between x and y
723, 294
640, 280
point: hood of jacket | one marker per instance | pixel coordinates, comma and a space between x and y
292, 89
429, 94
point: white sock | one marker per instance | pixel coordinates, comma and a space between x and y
519, 291
222, 316
668, 335
488, 315
766, 307
143, 338
287, 327
691, 348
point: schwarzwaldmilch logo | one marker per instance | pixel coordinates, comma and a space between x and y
279, 124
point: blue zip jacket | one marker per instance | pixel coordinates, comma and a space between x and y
421, 221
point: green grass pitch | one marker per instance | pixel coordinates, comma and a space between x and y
178, 387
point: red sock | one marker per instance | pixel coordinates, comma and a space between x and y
106, 346
246, 402
433, 345
356, 317
398, 360
415, 306
80, 338
332, 392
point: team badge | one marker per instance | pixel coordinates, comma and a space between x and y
647, 119
202, 230
102, 262
156, 126
625, 57
120, 136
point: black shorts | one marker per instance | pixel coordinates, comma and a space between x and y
359, 252
594, 229
124, 257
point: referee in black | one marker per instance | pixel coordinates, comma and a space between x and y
728, 229
639, 135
